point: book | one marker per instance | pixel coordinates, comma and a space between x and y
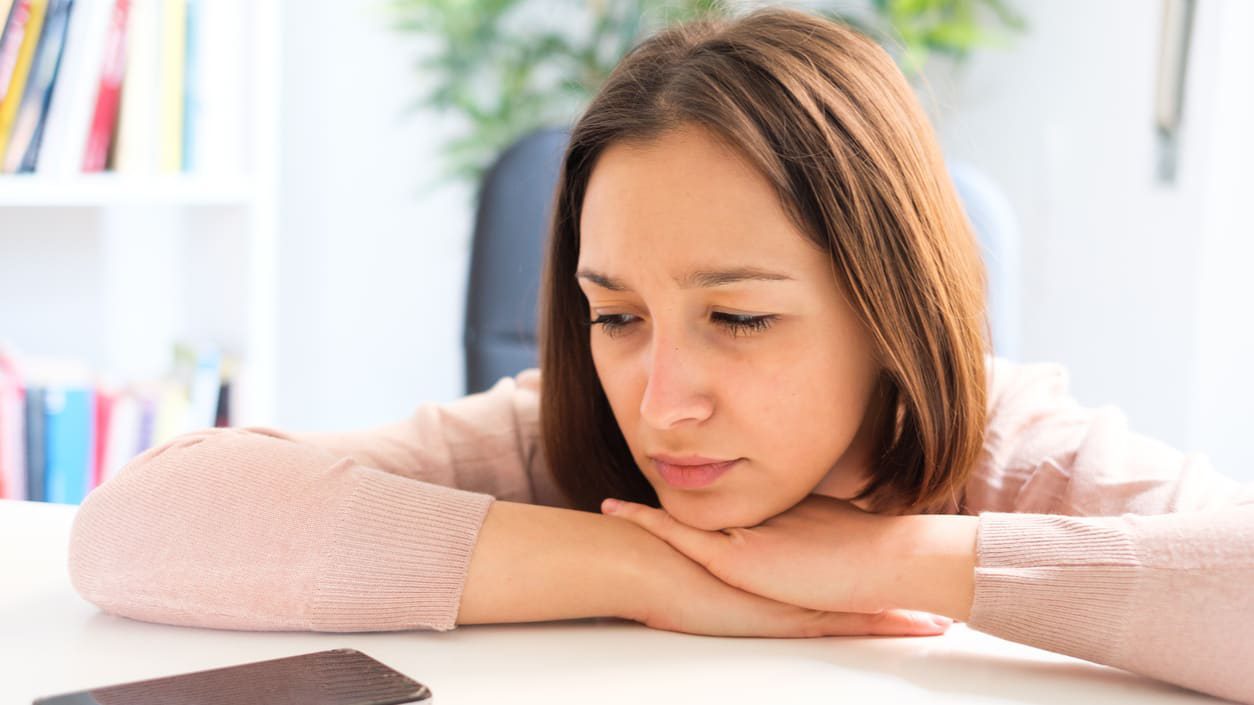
34, 428
5, 6
124, 440
66, 429
21, 37
33, 108
219, 143
136, 147
12, 430
102, 422
74, 92
191, 84
108, 92
69, 437
12, 31
173, 49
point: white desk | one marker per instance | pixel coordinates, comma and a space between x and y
53, 641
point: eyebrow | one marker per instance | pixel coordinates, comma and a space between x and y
702, 278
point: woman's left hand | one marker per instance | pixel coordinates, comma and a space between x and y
826, 554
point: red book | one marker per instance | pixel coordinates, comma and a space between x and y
104, 409
105, 117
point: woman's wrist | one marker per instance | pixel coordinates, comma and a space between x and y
933, 559
536, 563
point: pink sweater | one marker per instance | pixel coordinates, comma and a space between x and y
1093, 541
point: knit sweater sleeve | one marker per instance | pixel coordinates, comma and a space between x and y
1105, 544
259, 529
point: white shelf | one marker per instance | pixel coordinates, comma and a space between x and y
114, 268
108, 189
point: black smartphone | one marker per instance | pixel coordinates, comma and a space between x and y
333, 677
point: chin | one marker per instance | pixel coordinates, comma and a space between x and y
713, 513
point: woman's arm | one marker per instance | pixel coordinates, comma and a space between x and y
486, 442
535, 563
257, 529
1102, 543
1165, 595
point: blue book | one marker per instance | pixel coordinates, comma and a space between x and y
191, 85
35, 443
69, 439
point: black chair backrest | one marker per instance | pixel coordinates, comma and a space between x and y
511, 226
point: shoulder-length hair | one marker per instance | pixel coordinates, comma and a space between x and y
826, 116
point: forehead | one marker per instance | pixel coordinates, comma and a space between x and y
685, 198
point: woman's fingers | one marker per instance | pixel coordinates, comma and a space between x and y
887, 623
701, 546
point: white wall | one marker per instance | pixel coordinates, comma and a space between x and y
1138, 287
372, 269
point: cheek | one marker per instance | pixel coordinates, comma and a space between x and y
618, 382
808, 415
800, 421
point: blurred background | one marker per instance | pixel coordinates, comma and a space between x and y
221, 212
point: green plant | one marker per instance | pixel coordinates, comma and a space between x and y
510, 66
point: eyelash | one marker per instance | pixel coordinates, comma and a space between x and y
736, 324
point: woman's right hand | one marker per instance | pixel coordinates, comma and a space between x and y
674, 593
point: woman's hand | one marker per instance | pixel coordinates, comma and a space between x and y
676, 594
826, 554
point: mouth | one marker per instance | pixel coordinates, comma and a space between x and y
692, 472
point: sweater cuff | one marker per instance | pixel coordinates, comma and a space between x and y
398, 556
1055, 582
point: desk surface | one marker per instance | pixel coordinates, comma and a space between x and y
53, 641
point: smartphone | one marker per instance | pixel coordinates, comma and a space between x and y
333, 677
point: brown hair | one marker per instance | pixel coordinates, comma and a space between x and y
829, 120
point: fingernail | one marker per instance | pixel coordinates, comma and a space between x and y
610, 506
940, 621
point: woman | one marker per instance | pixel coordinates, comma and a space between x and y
763, 327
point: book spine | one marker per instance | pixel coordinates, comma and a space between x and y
74, 91
172, 52
69, 439
35, 443
108, 94
33, 111
21, 70
11, 42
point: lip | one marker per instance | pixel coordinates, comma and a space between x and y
692, 472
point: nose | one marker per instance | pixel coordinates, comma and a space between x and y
674, 393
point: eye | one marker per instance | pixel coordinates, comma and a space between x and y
739, 324
614, 324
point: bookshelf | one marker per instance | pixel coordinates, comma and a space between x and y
109, 189
114, 268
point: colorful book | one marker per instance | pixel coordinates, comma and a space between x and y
205, 387
124, 438
74, 92
103, 421
34, 428
137, 129
191, 84
173, 49
24, 28
5, 6
69, 439
12, 31
12, 430
108, 93
33, 109
218, 145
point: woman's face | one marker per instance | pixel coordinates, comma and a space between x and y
721, 335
